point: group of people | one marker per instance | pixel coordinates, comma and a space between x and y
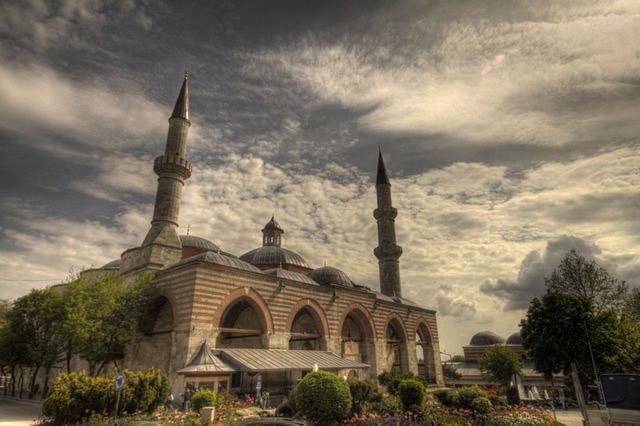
262, 399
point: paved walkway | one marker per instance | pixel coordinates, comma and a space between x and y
573, 417
18, 412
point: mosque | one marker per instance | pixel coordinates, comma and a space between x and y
263, 319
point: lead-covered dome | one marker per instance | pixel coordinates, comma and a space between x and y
486, 338
328, 275
514, 339
273, 255
192, 241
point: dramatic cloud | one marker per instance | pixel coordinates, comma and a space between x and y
510, 134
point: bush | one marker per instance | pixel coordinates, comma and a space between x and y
390, 405
446, 397
467, 395
497, 400
513, 396
481, 405
391, 380
411, 392
361, 392
76, 396
323, 397
203, 398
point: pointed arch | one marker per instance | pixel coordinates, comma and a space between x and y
253, 298
307, 326
425, 351
243, 320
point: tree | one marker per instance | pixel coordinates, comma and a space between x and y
102, 315
499, 364
577, 276
561, 328
34, 331
323, 397
450, 372
457, 358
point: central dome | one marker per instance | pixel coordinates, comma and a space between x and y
274, 256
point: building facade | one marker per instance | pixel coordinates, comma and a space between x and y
226, 320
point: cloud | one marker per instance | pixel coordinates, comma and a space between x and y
535, 267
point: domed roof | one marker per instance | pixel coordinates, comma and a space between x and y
219, 259
289, 275
197, 242
273, 255
486, 338
328, 275
514, 339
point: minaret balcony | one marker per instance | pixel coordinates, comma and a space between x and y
385, 213
387, 251
172, 164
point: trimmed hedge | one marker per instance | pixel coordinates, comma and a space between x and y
203, 398
77, 396
323, 397
411, 392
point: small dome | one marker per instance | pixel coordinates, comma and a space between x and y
198, 243
486, 338
219, 259
515, 339
289, 275
114, 264
273, 255
330, 276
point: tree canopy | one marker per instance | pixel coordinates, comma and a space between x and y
562, 328
580, 277
499, 364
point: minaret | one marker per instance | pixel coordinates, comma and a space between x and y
387, 251
162, 244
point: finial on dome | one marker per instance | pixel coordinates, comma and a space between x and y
186, 73
188, 229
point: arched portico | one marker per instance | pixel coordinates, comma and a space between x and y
357, 333
425, 351
307, 326
396, 344
243, 320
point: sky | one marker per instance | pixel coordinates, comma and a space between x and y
510, 131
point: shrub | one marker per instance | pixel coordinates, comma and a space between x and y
391, 380
390, 405
323, 397
446, 397
77, 396
411, 392
361, 392
481, 405
497, 400
513, 396
467, 395
203, 398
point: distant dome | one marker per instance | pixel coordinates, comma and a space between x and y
330, 276
273, 255
114, 264
515, 339
486, 338
192, 241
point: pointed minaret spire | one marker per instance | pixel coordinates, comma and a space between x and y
162, 245
387, 252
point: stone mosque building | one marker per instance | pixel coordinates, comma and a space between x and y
265, 318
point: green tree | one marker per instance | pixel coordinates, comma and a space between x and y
559, 329
34, 330
457, 358
577, 276
103, 314
499, 364
449, 371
